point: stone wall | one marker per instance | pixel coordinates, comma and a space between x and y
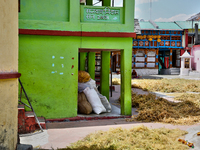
145, 72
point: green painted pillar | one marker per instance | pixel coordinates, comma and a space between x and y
126, 67
89, 2
91, 64
129, 11
106, 3
82, 61
105, 71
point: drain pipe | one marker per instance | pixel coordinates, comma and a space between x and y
196, 42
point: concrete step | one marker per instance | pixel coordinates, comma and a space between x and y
24, 147
20, 106
170, 71
165, 72
41, 119
29, 114
175, 71
42, 122
27, 122
194, 73
174, 68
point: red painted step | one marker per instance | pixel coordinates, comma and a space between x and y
27, 122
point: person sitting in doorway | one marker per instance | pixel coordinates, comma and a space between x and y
134, 74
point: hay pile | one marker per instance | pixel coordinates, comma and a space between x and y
152, 108
83, 76
189, 97
139, 137
116, 81
167, 85
164, 85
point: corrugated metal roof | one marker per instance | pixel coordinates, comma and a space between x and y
161, 25
146, 25
194, 17
168, 25
137, 28
187, 24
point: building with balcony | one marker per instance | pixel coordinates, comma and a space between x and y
56, 38
156, 50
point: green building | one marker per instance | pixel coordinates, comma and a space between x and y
55, 36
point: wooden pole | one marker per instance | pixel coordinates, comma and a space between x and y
170, 59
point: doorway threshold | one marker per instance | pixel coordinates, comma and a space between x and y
115, 113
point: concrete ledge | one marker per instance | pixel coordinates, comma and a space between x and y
24, 147
83, 118
146, 72
76, 33
165, 72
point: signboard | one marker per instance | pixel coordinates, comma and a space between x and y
102, 14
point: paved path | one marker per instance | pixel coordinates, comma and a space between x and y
62, 134
57, 137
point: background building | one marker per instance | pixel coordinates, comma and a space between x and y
157, 49
54, 37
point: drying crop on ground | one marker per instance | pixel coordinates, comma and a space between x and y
136, 138
116, 81
152, 108
189, 97
156, 109
167, 85
164, 85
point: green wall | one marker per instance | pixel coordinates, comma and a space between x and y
49, 79
52, 10
66, 16
49, 64
125, 45
43, 58
105, 71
